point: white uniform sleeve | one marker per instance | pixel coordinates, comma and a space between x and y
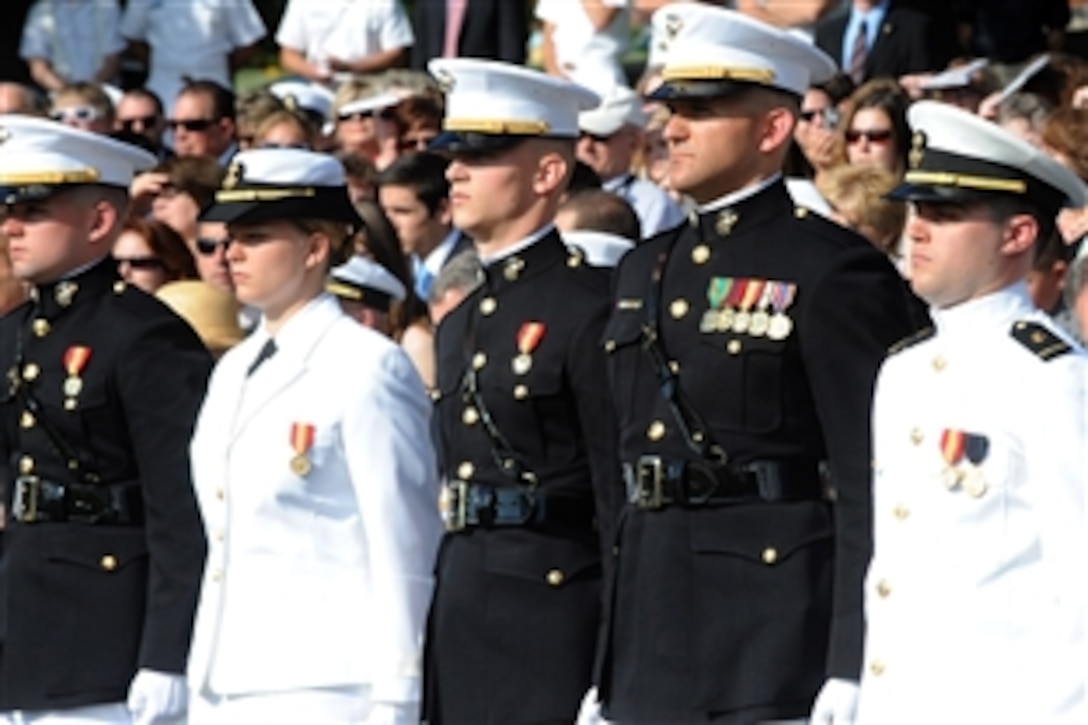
548, 11
292, 31
135, 21
244, 24
392, 465
396, 28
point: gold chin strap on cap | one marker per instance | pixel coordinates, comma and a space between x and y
233, 195
496, 126
765, 76
966, 181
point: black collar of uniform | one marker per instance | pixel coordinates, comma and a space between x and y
751, 211
538, 256
54, 298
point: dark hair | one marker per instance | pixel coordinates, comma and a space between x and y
424, 173
582, 178
838, 87
198, 176
886, 95
167, 245
418, 112
1005, 206
380, 241
1066, 131
222, 98
602, 211
147, 94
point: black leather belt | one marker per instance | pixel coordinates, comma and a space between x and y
34, 500
654, 482
466, 504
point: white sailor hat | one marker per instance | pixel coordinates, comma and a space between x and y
602, 249
370, 104
960, 76
710, 51
39, 157
491, 106
957, 156
619, 107
365, 281
311, 98
282, 183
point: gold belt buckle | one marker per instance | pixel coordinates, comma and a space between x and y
648, 475
24, 505
452, 505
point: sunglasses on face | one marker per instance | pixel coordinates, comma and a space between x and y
191, 124
83, 114
828, 117
360, 115
596, 138
207, 245
873, 136
139, 123
416, 144
139, 262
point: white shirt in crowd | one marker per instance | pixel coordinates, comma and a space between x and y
585, 55
190, 37
344, 29
73, 35
656, 210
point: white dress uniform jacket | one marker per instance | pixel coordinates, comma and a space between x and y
975, 597
321, 579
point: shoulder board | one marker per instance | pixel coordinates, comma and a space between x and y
913, 339
1041, 341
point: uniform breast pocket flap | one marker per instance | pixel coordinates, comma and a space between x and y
551, 561
96, 549
768, 536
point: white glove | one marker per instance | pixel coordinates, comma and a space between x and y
155, 698
390, 713
590, 711
836, 704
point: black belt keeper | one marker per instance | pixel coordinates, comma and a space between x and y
34, 500
654, 482
471, 504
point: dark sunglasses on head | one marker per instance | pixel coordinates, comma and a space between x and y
191, 124
139, 123
86, 114
876, 136
139, 262
207, 245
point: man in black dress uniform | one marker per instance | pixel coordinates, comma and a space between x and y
523, 424
742, 353
103, 547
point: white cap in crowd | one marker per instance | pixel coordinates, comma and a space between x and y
957, 156
370, 104
312, 98
709, 51
492, 105
602, 249
38, 157
365, 281
280, 183
620, 107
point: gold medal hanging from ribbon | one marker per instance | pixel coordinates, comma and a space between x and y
761, 319
753, 290
302, 440
716, 292
529, 336
75, 360
728, 312
780, 325
975, 449
952, 447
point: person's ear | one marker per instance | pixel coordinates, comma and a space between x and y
1020, 234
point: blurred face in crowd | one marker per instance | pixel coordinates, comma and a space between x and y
363, 130
419, 230
137, 114
137, 262
285, 136
197, 132
443, 306
174, 207
210, 254
72, 110
720, 145
273, 265
959, 252
870, 139
609, 156
816, 128
655, 154
49, 237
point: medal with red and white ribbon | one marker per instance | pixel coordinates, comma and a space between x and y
529, 336
75, 360
302, 440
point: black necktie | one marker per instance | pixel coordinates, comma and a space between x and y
267, 351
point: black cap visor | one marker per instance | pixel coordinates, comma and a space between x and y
681, 89
472, 144
255, 204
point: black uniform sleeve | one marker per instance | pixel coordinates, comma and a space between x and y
857, 311
162, 380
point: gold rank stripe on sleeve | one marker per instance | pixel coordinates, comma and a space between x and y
756, 307
1039, 340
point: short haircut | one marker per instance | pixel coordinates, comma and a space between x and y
147, 94
602, 211
198, 176
166, 244
463, 273
424, 173
91, 94
583, 178
222, 98
1005, 206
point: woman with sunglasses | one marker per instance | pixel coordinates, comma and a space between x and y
150, 253
876, 130
314, 473
365, 123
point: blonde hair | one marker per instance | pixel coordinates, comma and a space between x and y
857, 193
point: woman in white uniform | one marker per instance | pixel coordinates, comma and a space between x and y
315, 477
